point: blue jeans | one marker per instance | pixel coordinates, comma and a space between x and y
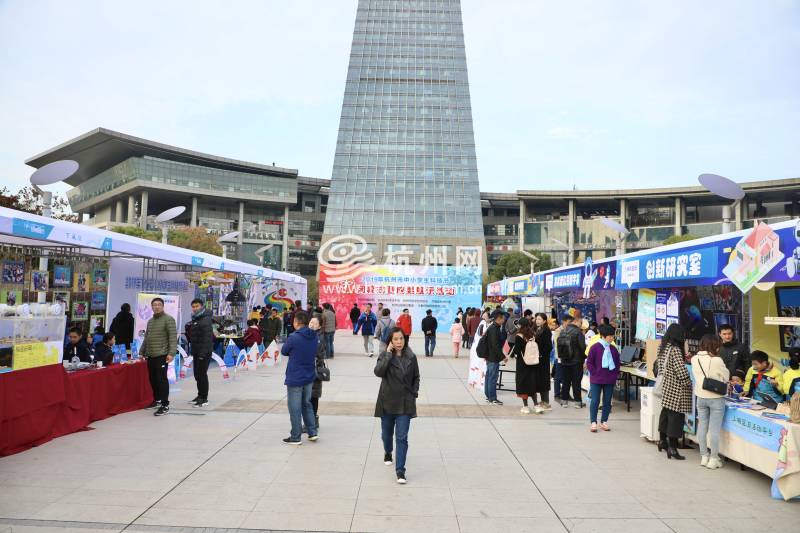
559, 375
594, 404
299, 401
710, 412
399, 426
329, 342
430, 344
490, 380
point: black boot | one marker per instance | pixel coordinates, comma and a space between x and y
672, 450
662, 443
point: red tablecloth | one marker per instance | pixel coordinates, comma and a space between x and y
40, 404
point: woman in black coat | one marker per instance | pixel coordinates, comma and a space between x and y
122, 326
525, 374
544, 339
322, 351
397, 398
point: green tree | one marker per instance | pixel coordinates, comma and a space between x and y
516, 264
30, 200
680, 238
197, 239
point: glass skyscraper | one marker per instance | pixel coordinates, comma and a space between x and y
405, 171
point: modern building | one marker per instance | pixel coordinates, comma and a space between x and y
126, 180
404, 175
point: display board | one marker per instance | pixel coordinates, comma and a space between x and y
144, 312
646, 314
277, 294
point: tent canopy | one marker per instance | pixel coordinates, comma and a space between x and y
18, 227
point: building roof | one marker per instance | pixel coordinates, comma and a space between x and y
100, 149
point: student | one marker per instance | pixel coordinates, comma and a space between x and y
97, 338
494, 356
429, 325
103, 351
77, 347
603, 364
737, 382
525, 375
710, 405
355, 312
367, 323
252, 336
791, 378
572, 353
456, 336
397, 399
556, 373
385, 325
763, 378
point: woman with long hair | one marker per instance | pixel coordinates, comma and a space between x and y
676, 399
710, 405
525, 374
544, 340
397, 398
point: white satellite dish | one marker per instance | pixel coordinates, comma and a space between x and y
169, 214
54, 172
721, 186
764, 285
228, 236
616, 226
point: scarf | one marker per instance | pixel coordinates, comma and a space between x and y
608, 359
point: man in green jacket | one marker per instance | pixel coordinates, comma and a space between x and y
159, 345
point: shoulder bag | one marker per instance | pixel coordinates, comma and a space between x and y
713, 385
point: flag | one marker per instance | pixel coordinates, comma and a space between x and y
224, 369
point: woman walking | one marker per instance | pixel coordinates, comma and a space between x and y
710, 405
477, 365
397, 398
676, 398
322, 353
456, 336
525, 374
544, 340
603, 365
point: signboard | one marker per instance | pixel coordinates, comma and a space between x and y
275, 293
495, 288
443, 289
144, 312
646, 315
566, 279
668, 268
37, 354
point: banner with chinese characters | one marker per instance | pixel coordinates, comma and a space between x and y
442, 289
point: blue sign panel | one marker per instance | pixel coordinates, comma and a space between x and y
28, 228
567, 279
672, 267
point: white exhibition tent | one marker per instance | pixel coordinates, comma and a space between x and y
26, 229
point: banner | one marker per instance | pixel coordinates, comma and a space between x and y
760, 431
442, 289
277, 294
144, 312
646, 315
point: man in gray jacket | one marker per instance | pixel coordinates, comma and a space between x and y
158, 347
328, 328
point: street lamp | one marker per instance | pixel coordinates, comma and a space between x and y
228, 237
532, 257
166, 216
621, 230
726, 188
47, 175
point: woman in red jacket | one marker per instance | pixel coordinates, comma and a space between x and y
404, 323
253, 334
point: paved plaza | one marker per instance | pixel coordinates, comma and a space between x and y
471, 467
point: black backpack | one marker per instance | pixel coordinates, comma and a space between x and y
566, 347
482, 349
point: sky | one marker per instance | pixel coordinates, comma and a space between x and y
593, 94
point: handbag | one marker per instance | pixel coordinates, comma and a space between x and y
658, 389
323, 372
713, 385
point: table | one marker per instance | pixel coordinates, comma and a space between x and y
40, 404
631, 375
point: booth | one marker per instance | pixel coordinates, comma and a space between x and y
58, 274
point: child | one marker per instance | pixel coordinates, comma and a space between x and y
456, 332
97, 338
791, 378
253, 334
762, 378
737, 382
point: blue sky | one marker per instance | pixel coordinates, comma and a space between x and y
591, 94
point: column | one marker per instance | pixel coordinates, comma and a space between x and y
285, 254
738, 212
678, 216
143, 209
623, 219
193, 221
131, 210
118, 212
521, 230
240, 237
571, 233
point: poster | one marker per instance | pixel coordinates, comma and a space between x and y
61, 297
97, 321
10, 297
14, 272
39, 280
80, 310
100, 277
98, 300
82, 282
144, 312
62, 276
37, 354
442, 289
276, 293
646, 314
661, 313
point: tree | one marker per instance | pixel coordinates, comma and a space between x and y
516, 264
30, 200
197, 239
680, 238
312, 289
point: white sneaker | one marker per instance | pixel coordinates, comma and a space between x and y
538, 410
703, 460
714, 463
525, 410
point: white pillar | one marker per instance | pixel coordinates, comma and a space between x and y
131, 209
240, 237
726, 219
571, 233
678, 216
285, 254
193, 222
521, 230
738, 213
623, 219
143, 209
118, 212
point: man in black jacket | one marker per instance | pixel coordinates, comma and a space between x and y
77, 347
355, 312
122, 326
571, 347
270, 326
494, 355
201, 337
735, 354
429, 325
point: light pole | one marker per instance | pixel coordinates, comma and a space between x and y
228, 237
621, 230
47, 175
166, 216
726, 188
532, 257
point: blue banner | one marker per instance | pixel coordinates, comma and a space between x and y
760, 431
667, 268
563, 280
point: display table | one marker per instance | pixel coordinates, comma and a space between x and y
631, 375
40, 404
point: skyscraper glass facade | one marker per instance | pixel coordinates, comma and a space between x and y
405, 156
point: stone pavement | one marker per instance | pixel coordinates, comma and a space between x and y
471, 468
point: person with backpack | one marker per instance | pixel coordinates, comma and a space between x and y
456, 336
429, 325
382, 330
490, 347
366, 323
571, 352
526, 351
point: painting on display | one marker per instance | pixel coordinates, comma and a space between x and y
80, 310
98, 300
11, 297
14, 272
62, 298
82, 282
62, 276
39, 280
100, 277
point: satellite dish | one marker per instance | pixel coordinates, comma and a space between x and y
54, 172
721, 186
616, 226
765, 285
228, 236
169, 214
